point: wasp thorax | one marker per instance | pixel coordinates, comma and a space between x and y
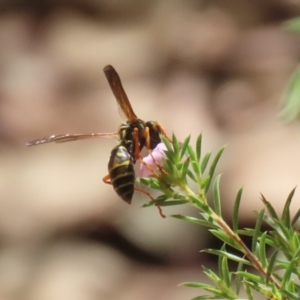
127, 132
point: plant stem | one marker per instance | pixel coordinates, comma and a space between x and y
253, 258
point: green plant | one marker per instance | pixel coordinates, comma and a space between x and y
275, 276
291, 97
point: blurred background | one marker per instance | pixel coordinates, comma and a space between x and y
216, 67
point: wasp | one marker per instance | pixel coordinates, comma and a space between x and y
133, 135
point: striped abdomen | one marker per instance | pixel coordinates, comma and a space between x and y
121, 172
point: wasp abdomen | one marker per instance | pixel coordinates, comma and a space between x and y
121, 172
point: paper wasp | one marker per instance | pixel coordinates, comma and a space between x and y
133, 135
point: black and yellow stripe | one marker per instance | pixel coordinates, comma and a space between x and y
121, 172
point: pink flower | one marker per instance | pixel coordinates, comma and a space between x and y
158, 154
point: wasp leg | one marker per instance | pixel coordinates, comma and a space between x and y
138, 156
152, 171
159, 178
162, 130
161, 169
147, 136
149, 195
136, 143
106, 179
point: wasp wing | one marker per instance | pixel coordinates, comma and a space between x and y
116, 86
61, 138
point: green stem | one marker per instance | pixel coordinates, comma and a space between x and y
246, 251
252, 257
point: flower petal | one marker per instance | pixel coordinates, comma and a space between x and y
158, 154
